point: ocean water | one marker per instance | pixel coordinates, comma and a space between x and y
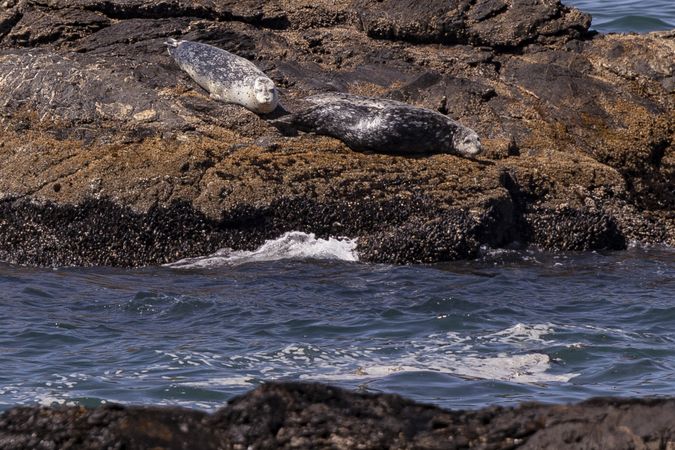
509, 327
621, 16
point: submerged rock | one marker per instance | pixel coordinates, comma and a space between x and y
311, 416
110, 154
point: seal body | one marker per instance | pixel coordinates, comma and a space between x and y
227, 77
384, 126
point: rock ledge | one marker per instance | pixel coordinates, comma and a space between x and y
311, 416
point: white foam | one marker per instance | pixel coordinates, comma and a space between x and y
474, 356
51, 394
222, 381
527, 368
292, 245
522, 333
49, 400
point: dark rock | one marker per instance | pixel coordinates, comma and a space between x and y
311, 416
37, 26
8, 19
447, 236
574, 229
506, 24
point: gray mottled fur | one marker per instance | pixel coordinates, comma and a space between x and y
384, 126
227, 77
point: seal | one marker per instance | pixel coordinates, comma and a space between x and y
227, 77
382, 126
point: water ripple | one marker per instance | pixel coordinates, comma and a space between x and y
621, 16
534, 327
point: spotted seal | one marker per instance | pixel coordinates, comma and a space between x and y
382, 126
227, 77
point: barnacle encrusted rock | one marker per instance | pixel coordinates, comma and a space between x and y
312, 416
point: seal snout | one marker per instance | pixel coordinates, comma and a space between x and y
266, 96
472, 145
468, 143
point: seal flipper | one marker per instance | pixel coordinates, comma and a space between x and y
171, 42
287, 125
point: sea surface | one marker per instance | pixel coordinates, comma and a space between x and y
621, 16
509, 327
512, 326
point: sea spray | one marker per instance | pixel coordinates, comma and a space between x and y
291, 245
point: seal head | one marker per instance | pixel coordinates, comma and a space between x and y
266, 94
466, 142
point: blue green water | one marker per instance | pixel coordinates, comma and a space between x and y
621, 16
511, 327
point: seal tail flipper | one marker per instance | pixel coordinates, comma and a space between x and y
171, 42
285, 124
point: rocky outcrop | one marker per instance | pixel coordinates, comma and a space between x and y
313, 416
504, 25
109, 154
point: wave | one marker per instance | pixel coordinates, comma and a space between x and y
291, 245
464, 356
513, 355
522, 333
530, 368
638, 24
517, 359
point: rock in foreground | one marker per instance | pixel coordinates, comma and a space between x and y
310, 416
111, 155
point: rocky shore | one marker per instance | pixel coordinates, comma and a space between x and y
312, 416
111, 155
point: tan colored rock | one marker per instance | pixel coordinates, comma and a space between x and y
115, 156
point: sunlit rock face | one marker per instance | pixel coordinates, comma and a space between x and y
111, 154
